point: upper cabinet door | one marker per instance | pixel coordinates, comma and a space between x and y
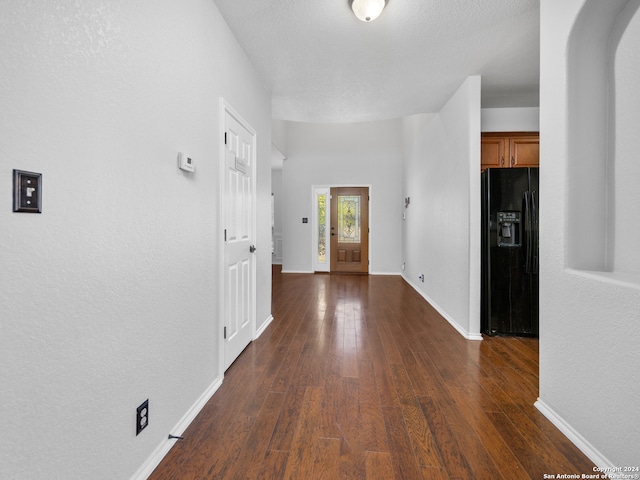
525, 151
492, 152
509, 149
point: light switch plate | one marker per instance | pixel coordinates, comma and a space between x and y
27, 192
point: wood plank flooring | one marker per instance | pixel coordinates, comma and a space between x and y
359, 378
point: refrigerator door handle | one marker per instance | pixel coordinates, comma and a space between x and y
527, 225
534, 221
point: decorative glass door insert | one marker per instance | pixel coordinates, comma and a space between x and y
349, 218
320, 218
322, 228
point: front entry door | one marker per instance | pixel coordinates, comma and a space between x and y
239, 276
350, 230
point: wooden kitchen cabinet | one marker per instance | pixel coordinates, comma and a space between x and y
510, 149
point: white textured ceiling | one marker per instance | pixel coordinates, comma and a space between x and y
321, 64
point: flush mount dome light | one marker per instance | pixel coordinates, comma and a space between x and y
367, 10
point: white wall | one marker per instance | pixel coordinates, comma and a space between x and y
359, 154
109, 297
442, 228
526, 119
623, 255
279, 135
589, 335
279, 140
276, 189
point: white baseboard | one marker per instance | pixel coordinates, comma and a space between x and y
454, 324
311, 271
578, 440
264, 326
147, 468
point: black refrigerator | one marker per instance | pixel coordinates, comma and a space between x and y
510, 207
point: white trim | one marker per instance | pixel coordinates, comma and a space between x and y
370, 241
476, 337
370, 273
454, 324
150, 464
221, 249
578, 440
264, 326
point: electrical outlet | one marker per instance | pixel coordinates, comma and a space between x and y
421, 277
142, 416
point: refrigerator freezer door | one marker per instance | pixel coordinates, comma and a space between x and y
508, 297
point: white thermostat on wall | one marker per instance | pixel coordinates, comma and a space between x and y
185, 162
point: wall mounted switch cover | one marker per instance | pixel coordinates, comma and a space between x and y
27, 192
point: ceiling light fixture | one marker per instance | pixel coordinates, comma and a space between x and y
367, 10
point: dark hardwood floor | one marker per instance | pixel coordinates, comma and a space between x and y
359, 378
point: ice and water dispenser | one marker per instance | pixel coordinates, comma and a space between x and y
508, 229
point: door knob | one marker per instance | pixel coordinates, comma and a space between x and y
252, 248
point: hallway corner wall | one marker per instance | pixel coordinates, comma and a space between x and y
441, 231
589, 333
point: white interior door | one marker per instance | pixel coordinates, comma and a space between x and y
239, 257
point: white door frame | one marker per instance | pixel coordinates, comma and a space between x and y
225, 109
